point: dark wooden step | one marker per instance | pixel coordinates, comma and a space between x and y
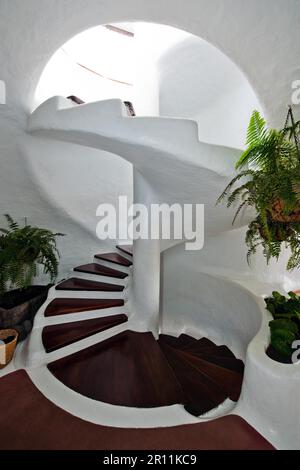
58, 336
199, 345
203, 347
207, 368
128, 370
184, 341
77, 284
128, 249
180, 342
229, 380
228, 362
94, 268
114, 258
62, 306
201, 394
168, 339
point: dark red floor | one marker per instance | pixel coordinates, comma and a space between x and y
29, 421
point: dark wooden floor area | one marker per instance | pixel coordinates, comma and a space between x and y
28, 421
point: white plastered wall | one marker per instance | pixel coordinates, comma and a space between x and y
259, 36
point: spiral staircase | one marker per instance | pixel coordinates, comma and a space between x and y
100, 349
131, 368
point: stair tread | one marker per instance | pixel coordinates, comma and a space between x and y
178, 342
77, 284
201, 394
62, 306
229, 380
234, 364
114, 258
136, 372
94, 268
188, 343
58, 336
185, 340
200, 344
128, 249
214, 350
168, 339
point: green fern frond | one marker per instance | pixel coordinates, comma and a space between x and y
22, 250
11, 222
256, 129
273, 177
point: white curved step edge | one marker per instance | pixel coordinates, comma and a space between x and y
82, 294
101, 278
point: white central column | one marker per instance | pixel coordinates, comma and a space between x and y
146, 269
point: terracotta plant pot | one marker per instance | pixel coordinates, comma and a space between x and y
7, 349
278, 215
18, 308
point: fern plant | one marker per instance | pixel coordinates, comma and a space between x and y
269, 180
285, 328
22, 249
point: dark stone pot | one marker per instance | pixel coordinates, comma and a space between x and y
18, 308
276, 356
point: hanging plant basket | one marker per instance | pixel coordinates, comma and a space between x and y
270, 183
281, 232
278, 214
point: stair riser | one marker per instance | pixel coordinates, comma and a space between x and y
101, 278
111, 265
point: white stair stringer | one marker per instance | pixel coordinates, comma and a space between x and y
166, 151
105, 125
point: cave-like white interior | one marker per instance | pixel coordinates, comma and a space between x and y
194, 72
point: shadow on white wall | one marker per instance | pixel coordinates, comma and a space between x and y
2, 92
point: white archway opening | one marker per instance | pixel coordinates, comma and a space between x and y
162, 70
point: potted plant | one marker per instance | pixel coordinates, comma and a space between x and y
8, 342
22, 250
285, 328
270, 183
